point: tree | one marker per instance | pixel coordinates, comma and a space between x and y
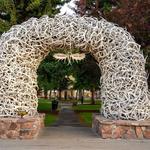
127, 14
7, 15
17, 11
53, 74
87, 74
94, 7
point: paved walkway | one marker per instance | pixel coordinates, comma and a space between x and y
67, 117
69, 135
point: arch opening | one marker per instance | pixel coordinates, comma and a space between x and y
124, 89
70, 80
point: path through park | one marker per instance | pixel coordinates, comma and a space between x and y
67, 117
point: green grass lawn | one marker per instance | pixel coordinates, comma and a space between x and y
87, 107
50, 119
44, 104
86, 118
88, 100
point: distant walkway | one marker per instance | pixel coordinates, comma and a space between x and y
67, 117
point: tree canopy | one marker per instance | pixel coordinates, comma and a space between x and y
53, 74
17, 11
87, 74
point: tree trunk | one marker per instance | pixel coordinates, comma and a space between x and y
45, 94
77, 95
81, 96
92, 96
39, 91
71, 93
82, 5
65, 94
50, 94
59, 94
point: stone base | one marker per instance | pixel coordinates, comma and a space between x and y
21, 128
125, 129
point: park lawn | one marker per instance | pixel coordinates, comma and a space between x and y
87, 107
87, 100
50, 119
44, 104
86, 118
97, 102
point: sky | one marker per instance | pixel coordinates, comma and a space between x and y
67, 8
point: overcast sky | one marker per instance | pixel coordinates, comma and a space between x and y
67, 8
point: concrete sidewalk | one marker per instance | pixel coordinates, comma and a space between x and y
72, 138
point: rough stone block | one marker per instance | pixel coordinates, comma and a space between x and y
139, 132
21, 128
127, 129
118, 132
105, 131
12, 134
146, 134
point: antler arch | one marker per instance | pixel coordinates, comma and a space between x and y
124, 89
